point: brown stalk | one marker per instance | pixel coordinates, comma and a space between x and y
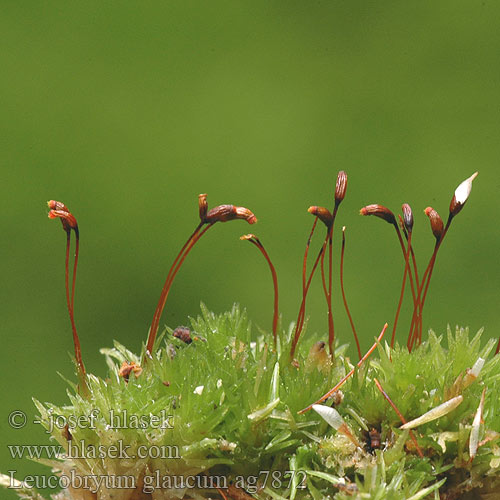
327, 296
400, 415
255, 241
328, 290
168, 283
69, 302
429, 280
407, 258
202, 208
166, 287
343, 293
300, 318
417, 282
457, 202
324, 215
221, 213
417, 307
412, 283
439, 231
385, 214
346, 377
498, 346
75, 264
408, 229
340, 191
304, 262
59, 211
328, 219
414, 260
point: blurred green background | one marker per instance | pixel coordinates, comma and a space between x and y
126, 111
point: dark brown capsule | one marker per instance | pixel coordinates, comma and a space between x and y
407, 217
224, 213
67, 219
183, 333
202, 206
379, 211
340, 187
57, 205
322, 213
59, 210
437, 225
374, 439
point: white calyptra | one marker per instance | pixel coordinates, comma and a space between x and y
333, 418
472, 374
330, 415
435, 413
463, 190
478, 366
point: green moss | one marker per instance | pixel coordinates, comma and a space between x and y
228, 403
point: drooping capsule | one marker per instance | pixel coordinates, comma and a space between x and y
224, 213
379, 211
